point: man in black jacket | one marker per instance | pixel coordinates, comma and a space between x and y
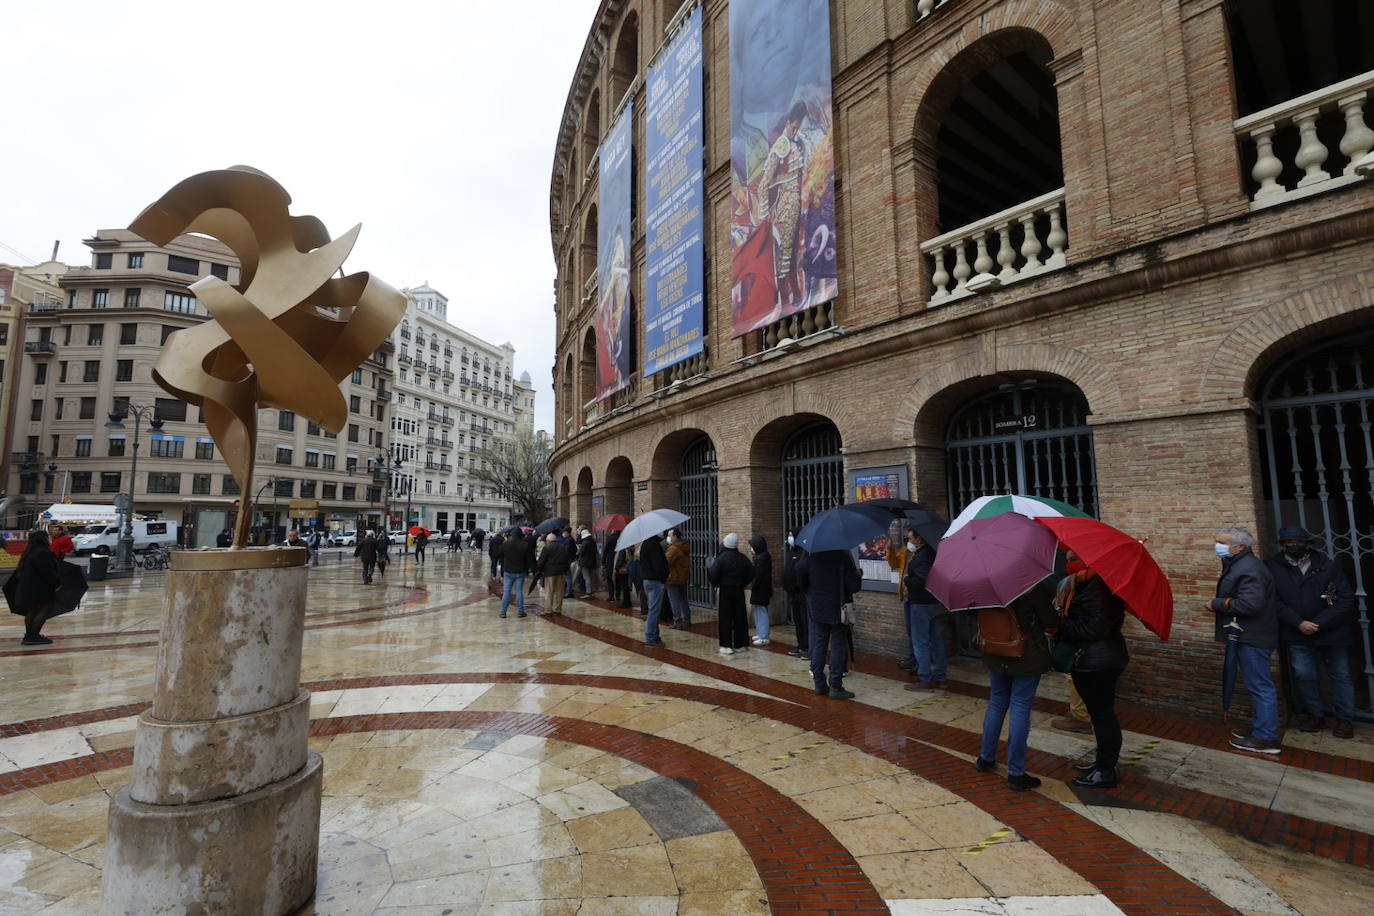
516, 560
1316, 608
587, 562
1248, 619
761, 589
796, 601
830, 580
924, 617
653, 569
494, 551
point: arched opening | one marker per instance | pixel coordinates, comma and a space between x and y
1281, 51
586, 370
699, 499
588, 271
988, 142
582, 499
1317, 456
591, 130
567, 409
1029, 436
625, 60
620, 494
564, 497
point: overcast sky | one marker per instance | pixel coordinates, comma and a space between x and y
431, 123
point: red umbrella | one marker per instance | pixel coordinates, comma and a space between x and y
990, 562
615, 522
415, 531
1124, 564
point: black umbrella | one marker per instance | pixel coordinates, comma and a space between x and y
550, 525
69, 593
896, 506
508, 529
931, 526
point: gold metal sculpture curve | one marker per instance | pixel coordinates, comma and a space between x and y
286, 335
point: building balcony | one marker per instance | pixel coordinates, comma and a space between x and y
405, 335
448, 352
403, 360
925, 7
438, 442
40, 347
43, 307
1017, 240
1285, 173
589, 289
383, 394
447, 373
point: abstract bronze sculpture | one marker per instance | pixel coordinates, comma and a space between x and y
286, 335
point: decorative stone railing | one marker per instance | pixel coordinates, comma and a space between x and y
589, 288
797, 326
1020, 242
1347, 97
925, 7
691, 367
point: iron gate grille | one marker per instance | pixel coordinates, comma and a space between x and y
698, 483
1031, 439
812, 474
1319, 468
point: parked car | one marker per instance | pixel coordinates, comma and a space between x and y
344, 539
146, 534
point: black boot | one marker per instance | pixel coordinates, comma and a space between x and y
1097, 779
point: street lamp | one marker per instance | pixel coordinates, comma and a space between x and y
125, 549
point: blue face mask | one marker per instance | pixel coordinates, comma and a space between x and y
1223, 550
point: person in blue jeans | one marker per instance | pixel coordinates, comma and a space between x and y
517, 559
924, 618
1316, 616
1248, 625
1013, 682
830, 579
761, 589
653, 567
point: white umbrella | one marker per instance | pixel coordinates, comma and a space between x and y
655, 521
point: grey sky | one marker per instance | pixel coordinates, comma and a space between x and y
431, 123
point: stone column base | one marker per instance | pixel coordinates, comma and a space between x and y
252, 854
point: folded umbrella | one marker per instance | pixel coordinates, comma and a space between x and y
550, 525
1029, 506
655, 521
616, 522
991, 562
1124, 564
843, 527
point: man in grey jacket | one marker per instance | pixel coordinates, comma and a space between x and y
1248, 619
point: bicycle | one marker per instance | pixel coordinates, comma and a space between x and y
154, 558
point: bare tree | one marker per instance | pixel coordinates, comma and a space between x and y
518, 468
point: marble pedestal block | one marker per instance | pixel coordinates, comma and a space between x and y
223, 812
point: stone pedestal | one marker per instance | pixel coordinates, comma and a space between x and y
223, 812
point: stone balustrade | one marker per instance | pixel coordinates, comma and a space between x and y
925, 7
589, 288
690, 367
1021, 241
1275, 162
797, 326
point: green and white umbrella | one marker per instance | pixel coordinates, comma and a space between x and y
1029, 506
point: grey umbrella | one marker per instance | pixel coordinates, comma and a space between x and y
655, 521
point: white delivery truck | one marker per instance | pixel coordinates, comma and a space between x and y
158, 533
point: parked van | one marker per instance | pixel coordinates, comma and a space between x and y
146, 534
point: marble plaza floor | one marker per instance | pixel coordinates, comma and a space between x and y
555, 765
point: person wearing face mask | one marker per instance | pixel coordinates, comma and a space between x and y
679, 553
1247, 615
923, 617
1316, 609
796, 599
761, 589
1092, 615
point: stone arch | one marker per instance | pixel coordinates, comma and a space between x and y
591, 133
567, 405
586, 376
582, 498
919, 417
564, 497
1246, 353
587, 254
619, 486
625, 57
666, 462
765, 448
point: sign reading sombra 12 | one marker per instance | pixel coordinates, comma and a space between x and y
613, 242
674, 288
782, 160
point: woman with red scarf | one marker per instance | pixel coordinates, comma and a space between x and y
61, 542
1091, 622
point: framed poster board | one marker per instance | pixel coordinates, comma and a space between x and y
889, 482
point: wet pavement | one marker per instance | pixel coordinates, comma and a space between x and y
555, 765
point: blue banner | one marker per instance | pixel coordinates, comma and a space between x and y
674, 188
613, 241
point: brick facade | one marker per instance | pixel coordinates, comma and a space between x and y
1176, 299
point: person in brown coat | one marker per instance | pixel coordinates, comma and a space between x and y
679, 554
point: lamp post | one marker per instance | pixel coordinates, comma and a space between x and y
257, 498
124, 551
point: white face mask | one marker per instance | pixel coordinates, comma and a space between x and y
1223, 550
791, 541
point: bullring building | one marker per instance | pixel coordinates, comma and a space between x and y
1117, 254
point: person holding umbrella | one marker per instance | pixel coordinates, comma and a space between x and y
1092, 616
1248, 625
421, 541
587, 562
730, 572
32, 588
796, 599
830, 579
553, 564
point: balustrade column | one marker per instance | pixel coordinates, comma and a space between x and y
1358, 139
1312, 153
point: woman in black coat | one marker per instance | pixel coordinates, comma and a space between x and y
1093, 615
731, 572
36, 581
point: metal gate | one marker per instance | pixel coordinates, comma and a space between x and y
1032, 438
698, 499
812, 474
1318, 407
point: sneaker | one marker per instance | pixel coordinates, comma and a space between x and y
760, 642
839, 693
982, 764
1311, 724
1343, 728
822, 689
1070, 724
1097, 779
741, 648
1023, 782
656, 644
1251, 743
1241, 733
918, 686
795, 653
726, 650
1085, 767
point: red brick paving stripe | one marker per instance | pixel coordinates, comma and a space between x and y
750, 807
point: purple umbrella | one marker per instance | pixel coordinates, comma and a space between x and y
990, 562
